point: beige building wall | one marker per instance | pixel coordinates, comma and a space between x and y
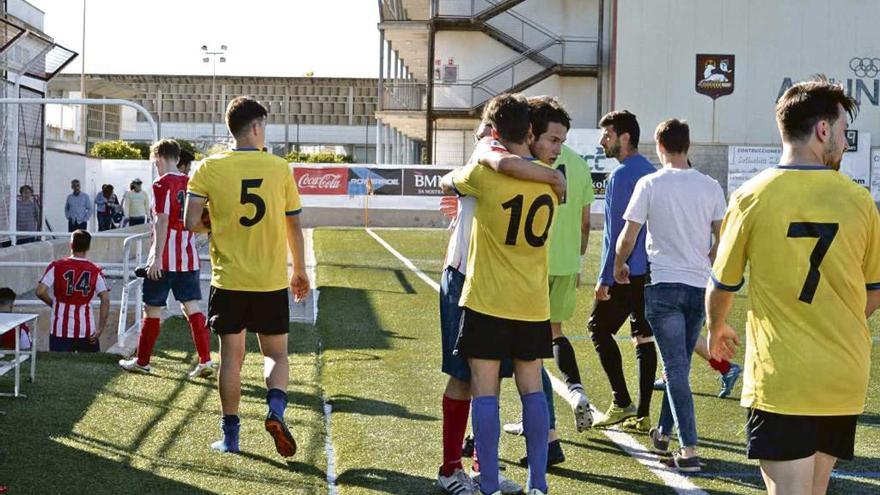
657, 41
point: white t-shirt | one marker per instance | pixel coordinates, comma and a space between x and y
678, 206
460, 240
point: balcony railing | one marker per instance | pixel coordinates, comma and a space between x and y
404, 95
509, 75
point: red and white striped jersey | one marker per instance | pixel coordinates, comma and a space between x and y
169, 197
74, 281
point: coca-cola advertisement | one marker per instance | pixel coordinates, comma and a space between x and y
318, 180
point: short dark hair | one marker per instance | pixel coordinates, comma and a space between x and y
74, 181
7, 296
806, 103
241, 112
80, 241
509, 115
623, 122
185, 158
546, 109
22, 188
166, 148
674, 135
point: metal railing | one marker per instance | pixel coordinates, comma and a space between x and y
541, 52
404, 95
132, 256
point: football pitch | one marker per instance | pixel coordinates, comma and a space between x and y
374, 356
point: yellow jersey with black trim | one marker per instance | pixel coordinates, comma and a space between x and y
507, 259
811, 240
250, 193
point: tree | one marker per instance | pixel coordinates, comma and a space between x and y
324, 157
115, 150
143, 147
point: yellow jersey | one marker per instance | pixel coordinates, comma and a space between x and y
811, 240
250, 193
507, 259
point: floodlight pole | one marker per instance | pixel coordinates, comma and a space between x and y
13, 172
213, 56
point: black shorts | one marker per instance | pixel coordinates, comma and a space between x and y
488, 337
231, 311
783, 437
627, 302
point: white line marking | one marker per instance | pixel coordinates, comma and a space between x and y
406, 262
625, 442
329, 451
631, 446
328, 448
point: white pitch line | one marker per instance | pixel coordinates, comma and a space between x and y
680, 484
631, 446
329, 451
406, 262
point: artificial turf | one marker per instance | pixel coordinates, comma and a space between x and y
88, 427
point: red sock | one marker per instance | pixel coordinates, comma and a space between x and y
455, 416
198, 325
722, 366
149, 334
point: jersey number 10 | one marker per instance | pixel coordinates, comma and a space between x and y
515, 205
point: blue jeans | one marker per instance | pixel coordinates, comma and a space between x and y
676, 313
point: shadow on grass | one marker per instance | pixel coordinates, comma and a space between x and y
626, 485
342, 308
37, 462
371, 407
386, 481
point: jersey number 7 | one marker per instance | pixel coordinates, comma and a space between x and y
825, 232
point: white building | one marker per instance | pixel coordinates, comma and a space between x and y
599, 55
441, 60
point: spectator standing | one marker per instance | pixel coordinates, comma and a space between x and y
27, 213
106, 205
136, 203
78, 208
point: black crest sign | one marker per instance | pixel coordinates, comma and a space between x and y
715, 75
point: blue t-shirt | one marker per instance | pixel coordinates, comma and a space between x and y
618, 192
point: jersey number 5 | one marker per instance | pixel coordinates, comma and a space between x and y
825, 232
515, 205
248, 197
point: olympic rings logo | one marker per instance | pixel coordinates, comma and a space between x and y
865, 66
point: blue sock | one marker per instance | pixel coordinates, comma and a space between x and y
230, 425
486, 421
535, 428
277, 400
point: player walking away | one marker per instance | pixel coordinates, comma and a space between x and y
616, 303
811, 240
457, 396
74, 281
682, 210
728, 373
506, 308
254, 217
173, 265
569, 237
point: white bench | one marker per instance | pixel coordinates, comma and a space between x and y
11, 322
